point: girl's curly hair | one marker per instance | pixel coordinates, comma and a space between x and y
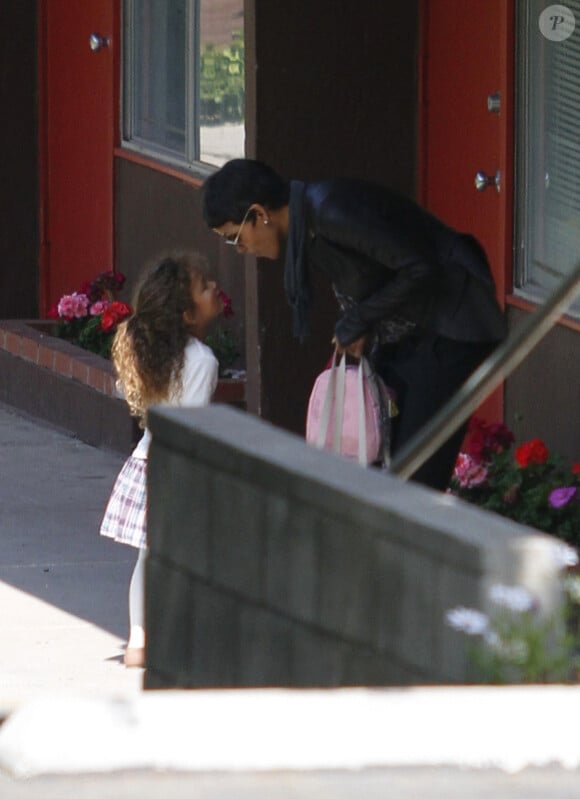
148, 348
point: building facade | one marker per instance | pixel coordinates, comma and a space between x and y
116, 112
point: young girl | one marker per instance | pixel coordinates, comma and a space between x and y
160, 358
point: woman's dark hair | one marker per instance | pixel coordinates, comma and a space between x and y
148, 349
229, 192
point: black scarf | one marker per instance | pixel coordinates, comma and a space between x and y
296, 281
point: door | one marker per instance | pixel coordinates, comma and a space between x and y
77, 83
466, 124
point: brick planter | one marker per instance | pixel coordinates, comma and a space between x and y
56, 381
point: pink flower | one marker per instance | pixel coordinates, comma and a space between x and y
73, 306
561, 496
98, 307
468, 471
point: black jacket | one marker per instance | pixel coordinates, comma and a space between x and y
391, 258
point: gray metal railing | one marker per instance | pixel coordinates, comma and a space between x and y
500, 364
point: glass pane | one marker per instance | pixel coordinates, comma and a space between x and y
158, 71
221, 81
551, 188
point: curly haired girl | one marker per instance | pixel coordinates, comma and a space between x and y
160, 358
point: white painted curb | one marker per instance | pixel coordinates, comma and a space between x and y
509, 728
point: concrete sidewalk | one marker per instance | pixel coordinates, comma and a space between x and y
63, 589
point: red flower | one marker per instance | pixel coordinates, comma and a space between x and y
576, 468
53, 312
485, 439
108, 320
533, 451
115, 313
500, 437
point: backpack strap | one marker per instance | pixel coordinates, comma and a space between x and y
327, 406
362, 426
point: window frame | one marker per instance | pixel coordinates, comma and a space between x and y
190, 163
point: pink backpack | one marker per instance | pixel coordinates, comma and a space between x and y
349, 412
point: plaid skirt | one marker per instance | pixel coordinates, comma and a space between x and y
125, 518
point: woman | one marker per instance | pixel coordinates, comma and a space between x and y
414, 293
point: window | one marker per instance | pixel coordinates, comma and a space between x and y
548, 146
183, 80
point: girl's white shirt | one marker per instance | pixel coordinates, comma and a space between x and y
199, 379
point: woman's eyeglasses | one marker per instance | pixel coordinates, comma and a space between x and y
233, 239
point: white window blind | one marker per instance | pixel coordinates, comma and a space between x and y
548, 143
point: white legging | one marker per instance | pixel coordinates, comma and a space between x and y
137, 603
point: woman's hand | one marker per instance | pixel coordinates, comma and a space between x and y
355, 348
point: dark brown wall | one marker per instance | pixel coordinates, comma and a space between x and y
336, 94
542, 398
18, 161
155, 213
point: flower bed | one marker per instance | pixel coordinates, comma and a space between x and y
89, 318
530, 484
54, 380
